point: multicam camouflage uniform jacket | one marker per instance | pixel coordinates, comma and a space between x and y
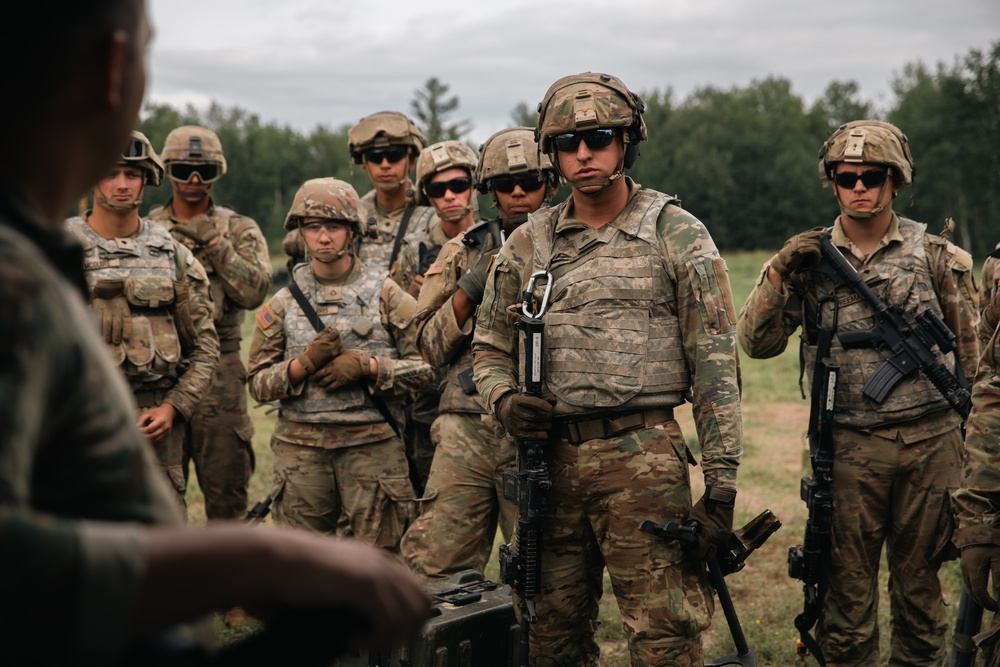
376, 253
443, 344
911, 270
238, 267
640, 316
374, 315
156, 271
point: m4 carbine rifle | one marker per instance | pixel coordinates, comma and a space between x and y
522, 569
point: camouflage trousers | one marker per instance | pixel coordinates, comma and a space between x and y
369, 483
420, 416
602, 489
895, 494
463, 502
220, 441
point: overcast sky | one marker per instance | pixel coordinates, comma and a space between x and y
305, 63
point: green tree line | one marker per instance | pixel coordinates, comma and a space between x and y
743, 159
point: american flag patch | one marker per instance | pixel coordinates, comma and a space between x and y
436, 267
265, 317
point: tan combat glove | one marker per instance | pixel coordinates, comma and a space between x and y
525, 417
799, 251
320, 350
200, 228
348, 367
112, 310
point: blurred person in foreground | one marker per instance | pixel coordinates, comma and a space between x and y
94, 548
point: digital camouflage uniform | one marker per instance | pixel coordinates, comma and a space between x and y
649, 294
335, 452
464, 500
173, 350
78, 478
381, 230
221, 438
896, 462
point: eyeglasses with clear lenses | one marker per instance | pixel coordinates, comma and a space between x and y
328, 226
506, 184
869, 179
183, 172
391, 153
570, 141
458, 185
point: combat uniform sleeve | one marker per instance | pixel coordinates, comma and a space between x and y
440, 338
203, 355
978, 499
988, 284
952, 270
267, 368
404, 269
495, 339
707, 316
69, 448
409, 373
242, 263
767, 319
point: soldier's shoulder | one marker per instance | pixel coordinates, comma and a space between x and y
160, 213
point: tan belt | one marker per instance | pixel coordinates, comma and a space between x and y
608, 426
150, 399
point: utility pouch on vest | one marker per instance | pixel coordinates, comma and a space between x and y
182, 315
465, 381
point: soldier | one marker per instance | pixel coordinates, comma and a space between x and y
895, 462
991, 278
234, 253
639, 280
86, 518
386, 145
336, 444
152, 298
464, 496
445, 181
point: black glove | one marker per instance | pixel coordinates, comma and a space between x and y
799, 251
978, 562
112, 310
525, 417
473, 281
320, 350
714, 516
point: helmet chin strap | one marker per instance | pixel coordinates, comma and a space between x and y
864, 215
101, 198
390, 187
456, 216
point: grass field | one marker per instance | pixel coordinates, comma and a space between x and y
775, 418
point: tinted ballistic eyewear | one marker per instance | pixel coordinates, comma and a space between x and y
594, 139
390, 153
457, 185
185, 171
329, 226
506, 184
869, 179
136, 150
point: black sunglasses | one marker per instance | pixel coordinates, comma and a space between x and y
506, 184
457, 185
390, 153
183, 172
869, 179
570, 141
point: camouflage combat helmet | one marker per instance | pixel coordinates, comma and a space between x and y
194, 145
510, 151
381, 129
589, 101
440, 156
869, 142
140, 153
328, 198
